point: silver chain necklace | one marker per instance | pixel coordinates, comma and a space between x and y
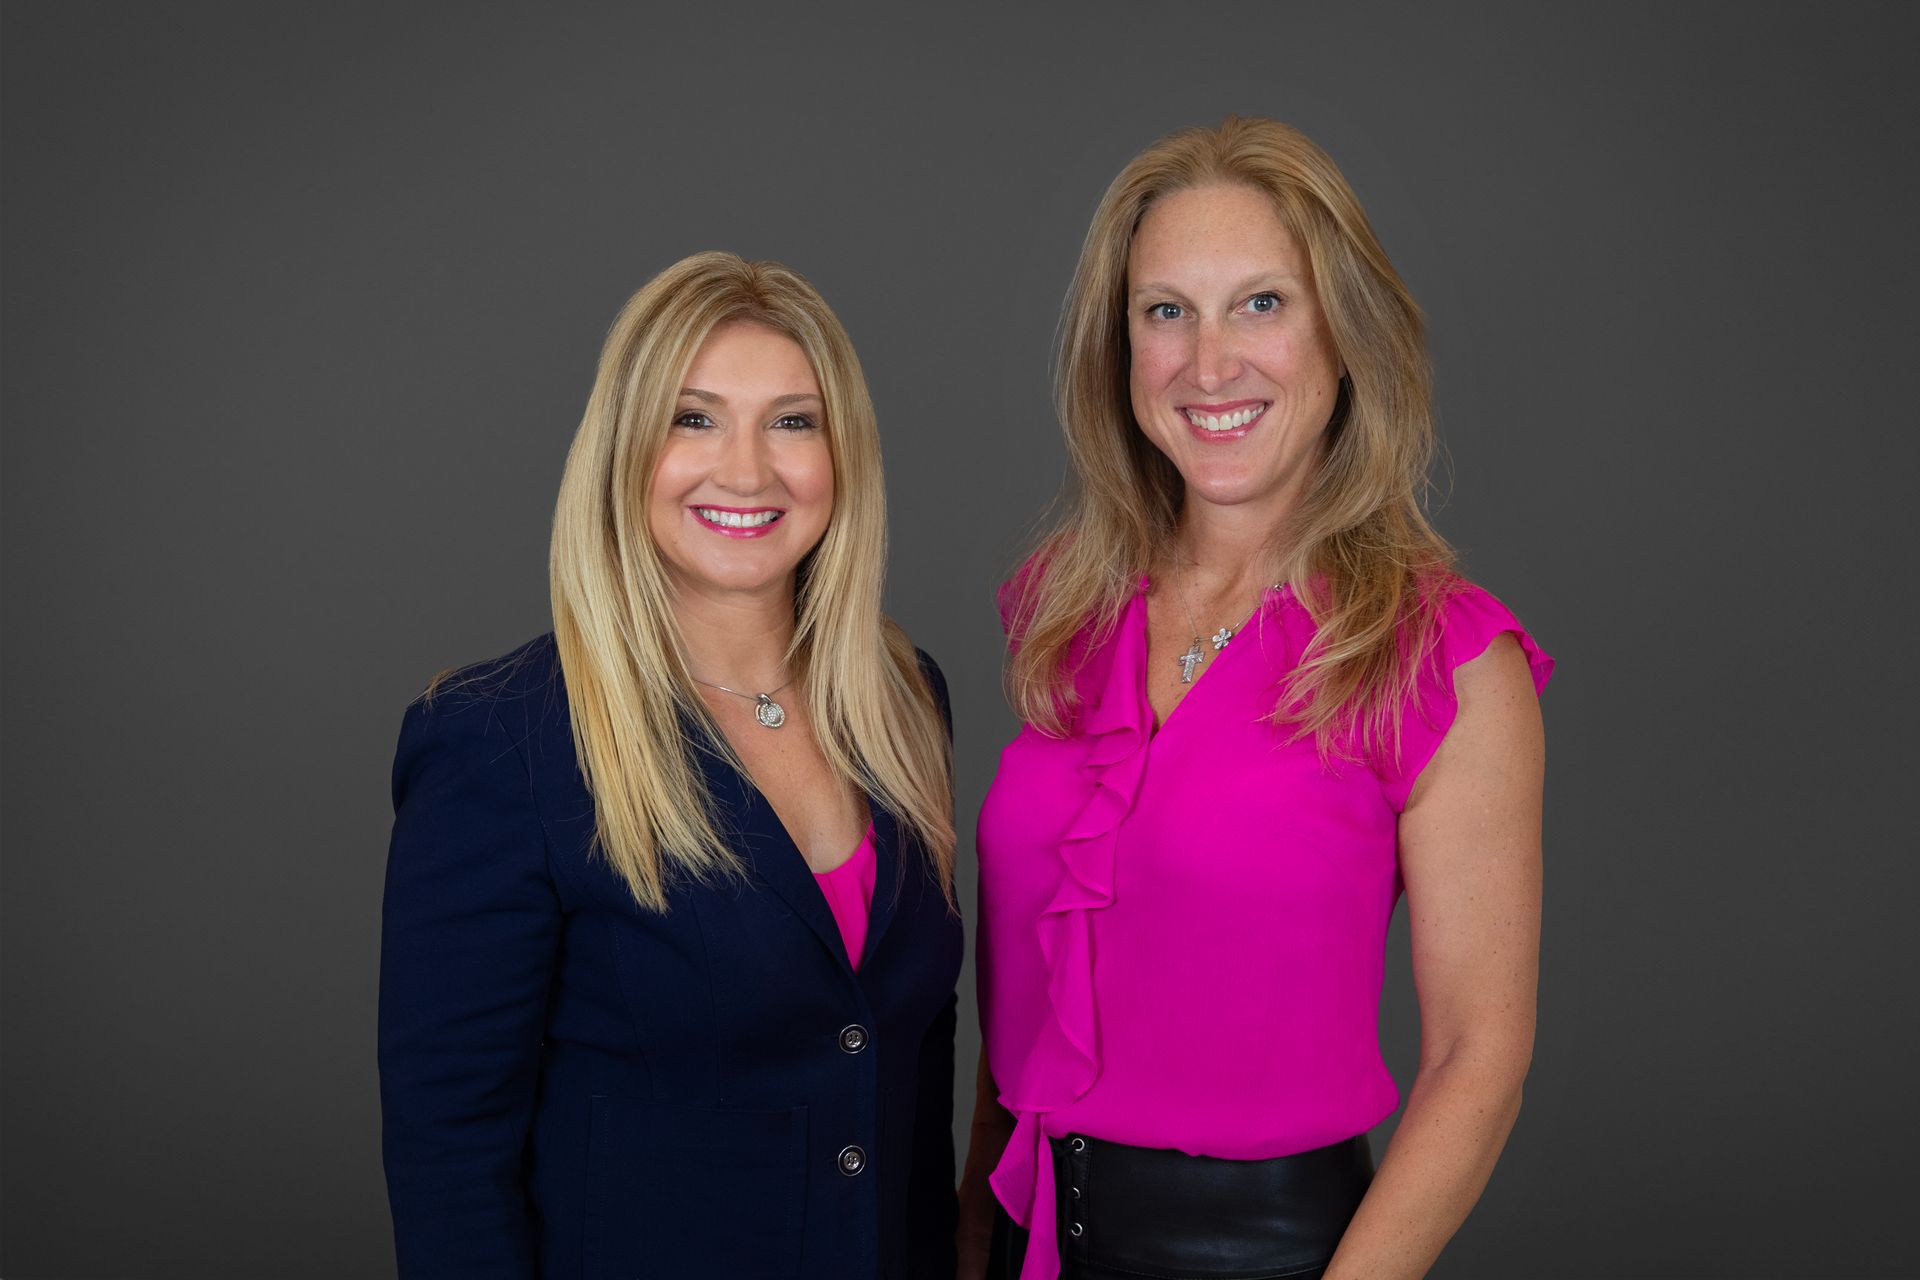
1193, 657
769, 713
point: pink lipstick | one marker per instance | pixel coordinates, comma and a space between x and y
1231, 420
738, 522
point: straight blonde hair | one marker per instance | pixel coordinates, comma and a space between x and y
1359, 552
621, 652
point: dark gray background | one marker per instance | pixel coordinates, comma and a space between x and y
301, 305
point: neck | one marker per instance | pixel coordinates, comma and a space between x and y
736, 639
1224, 550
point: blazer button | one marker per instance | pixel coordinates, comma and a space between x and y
853, 1038
852, 1160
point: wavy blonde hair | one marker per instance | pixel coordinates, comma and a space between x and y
1359, 551
622, 654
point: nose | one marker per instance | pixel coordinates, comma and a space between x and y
744, 465
1216, 356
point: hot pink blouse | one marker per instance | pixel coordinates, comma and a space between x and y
1183, 929
849, 893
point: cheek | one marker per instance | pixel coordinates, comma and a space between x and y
1155, 359
677, 469
1313, 352
808, 474
674, 477
1298, 361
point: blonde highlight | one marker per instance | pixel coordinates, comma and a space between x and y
628, 685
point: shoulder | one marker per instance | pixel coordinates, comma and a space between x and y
466, 806
1020, 593
930, 670
1480, 740
1467, 620
503, 698
514, 674
530, 671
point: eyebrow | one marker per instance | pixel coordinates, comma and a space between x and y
708, 397
1263, 277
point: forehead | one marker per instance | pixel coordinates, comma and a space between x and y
744, 360
1226, 231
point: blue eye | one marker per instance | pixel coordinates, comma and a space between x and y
794, 422
1164, 311
1264, 303
692, 418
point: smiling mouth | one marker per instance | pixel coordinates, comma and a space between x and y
730, 521
1232, 420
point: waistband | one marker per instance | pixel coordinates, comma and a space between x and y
1159, 1211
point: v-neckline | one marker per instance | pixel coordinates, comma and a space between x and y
1146, 649
759, 796
773, 852
762, 798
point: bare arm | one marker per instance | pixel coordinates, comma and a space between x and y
1470, 855
992, 1126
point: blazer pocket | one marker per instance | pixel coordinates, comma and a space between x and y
694, 1191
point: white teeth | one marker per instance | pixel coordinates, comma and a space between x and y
737, 519
1227, 421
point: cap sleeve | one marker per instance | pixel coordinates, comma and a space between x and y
1471, 618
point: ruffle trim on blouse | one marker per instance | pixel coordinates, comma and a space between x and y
1473, 620
1116, 719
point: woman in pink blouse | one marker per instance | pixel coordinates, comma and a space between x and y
1260, 702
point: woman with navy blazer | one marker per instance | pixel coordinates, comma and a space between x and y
641, 1012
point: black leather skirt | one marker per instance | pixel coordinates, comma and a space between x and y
1128, 1213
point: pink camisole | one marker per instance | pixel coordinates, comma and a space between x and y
849, 892
1183, 928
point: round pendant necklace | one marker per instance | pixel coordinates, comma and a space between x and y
769, 713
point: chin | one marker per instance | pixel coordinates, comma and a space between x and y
744, 584
731, 574
1225, 491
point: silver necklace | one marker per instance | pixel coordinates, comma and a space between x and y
1193, 657
769, 713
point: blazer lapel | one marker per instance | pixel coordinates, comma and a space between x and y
889, 881
767, 847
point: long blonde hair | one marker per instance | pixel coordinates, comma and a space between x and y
621, 651
1358, 552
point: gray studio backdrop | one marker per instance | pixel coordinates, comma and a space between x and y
301, 304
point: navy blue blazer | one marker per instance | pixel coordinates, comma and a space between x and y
574, 1087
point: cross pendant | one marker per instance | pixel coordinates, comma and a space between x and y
1189, 660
